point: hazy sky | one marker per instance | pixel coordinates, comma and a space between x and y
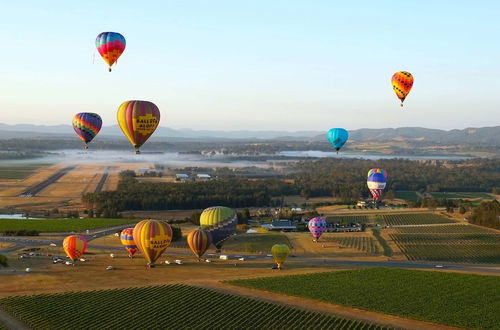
283, 65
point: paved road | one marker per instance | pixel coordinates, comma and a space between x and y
33, 190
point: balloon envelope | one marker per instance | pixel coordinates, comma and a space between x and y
280, 252
138, 120
152, 237
87, 125
220, 222
402, 83
337, 137
376, 182
199, 241
74, 246
317, 226
111, 46
127, 240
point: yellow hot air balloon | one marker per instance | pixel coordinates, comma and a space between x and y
402, 83
199, 241
138, 120
152, 237
220, 222
280, 252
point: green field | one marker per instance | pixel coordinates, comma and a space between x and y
257, 242
347, 219
460, 195
165, 307
407, 195
364, 244
18, 171
449, 298
60, 225
414, 219
454, 243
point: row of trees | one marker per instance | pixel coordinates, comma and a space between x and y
487, 214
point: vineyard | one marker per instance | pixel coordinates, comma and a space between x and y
347, 219
414, 219
165, 307
365, 244
463, 300
60, 225
455, 243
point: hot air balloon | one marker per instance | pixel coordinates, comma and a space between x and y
74, 246
317, 226
377, 170
376, 183
280, 252
199, 241
152, 237
127, 239
86, 126
220, 222
138, 120
337, 137
110, 45
402, 82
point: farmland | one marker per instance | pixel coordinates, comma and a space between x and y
347, 219
364, 244
16, 172
461, 195
455, 243
449, 298
261, 242
407, 195
168, 306
60, 225
414, 219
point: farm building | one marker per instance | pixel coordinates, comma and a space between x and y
142, 171
282, 224
181, 177
203, 177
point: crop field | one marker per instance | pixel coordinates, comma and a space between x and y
60, 225
165, 307
414, 219
254, 243
17, 171
407, 195
347, 219
456, 243
463, 300
364, 244
461, 195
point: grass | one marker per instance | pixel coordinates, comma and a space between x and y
414, 219
253, 243
387, 249
60, 225
165, 307
462, 300
18, 171
460, 195
407, 195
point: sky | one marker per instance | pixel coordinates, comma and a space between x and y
254, 65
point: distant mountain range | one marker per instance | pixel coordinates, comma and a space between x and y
483, 135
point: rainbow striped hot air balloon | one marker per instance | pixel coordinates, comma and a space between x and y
377, 170
127, 240
317, 226
220, 222
138, 120
152, 237
74, 246
86, 126
402, 83
199, 241
280, 252
111, 46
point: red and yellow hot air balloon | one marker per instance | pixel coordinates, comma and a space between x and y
199, 241
402, 82
127, 239
110, 45
152, 237
74, 246
138, 120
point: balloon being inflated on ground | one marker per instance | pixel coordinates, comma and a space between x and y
280, 253
74, 246
220, 222
127, 240
199, 241
152, 238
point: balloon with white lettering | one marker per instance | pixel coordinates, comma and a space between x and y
138, 120
152, 237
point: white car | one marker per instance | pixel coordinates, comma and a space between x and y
439, 266
109, 268
179, 262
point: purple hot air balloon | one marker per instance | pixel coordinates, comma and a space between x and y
317, 226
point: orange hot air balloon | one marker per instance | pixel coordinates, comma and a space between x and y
402, 82
127, 240
152, 237
74, 246
138, 120
199, 241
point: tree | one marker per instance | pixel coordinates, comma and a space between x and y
195, 218
3, 261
